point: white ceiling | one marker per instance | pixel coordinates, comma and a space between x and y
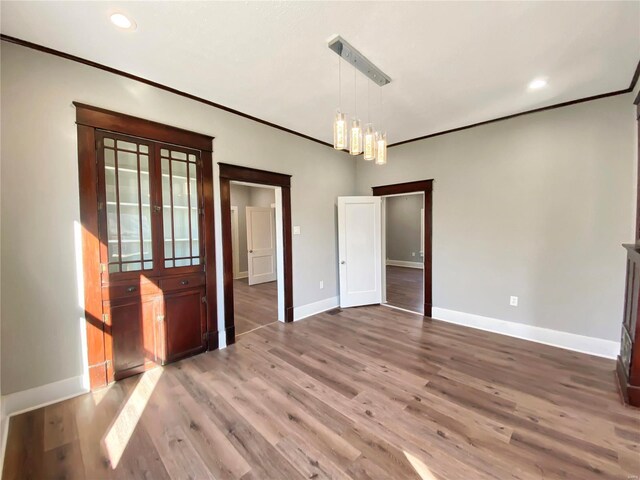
452, 64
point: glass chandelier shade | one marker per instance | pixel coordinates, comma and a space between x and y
356, 137
369, 143
340, 131
381, 149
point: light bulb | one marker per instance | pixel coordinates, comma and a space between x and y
369, 143
381, 153
340, 136
122, 21
356, 137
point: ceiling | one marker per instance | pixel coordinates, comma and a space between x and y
452, 63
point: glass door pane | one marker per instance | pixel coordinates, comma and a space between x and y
128, 205
180, 208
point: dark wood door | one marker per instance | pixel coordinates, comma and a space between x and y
151, 249
184, 325
131, 324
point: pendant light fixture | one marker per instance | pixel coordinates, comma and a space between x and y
340, 136
381, 142
356, 129
381, 148
373, 143
369, 134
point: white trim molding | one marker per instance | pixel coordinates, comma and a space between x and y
402, 263
311, 309
20, 402
556, 338
241, 275
26, 400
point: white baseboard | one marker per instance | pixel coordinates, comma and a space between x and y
20, 402
310, 309
26, 400
570, 341
402, 263
241, 275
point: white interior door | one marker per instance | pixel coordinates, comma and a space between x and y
261, 244
359, 248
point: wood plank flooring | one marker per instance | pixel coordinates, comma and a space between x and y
405, 288
255, 305
364, 393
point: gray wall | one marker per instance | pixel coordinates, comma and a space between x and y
243, 196
42, 317
536, 206
262, 197
403, 227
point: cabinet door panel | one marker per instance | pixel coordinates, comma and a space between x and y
131, 324
184, 323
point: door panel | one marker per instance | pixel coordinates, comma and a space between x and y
184, 324
360, 253
125, 170
261, 244
131, 324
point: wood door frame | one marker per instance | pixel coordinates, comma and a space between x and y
88, 120
229, 173
426, 187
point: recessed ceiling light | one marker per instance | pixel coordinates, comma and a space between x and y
121, 21
537, 83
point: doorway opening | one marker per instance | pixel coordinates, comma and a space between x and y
399, 285
268, 268
255, 272
403, 254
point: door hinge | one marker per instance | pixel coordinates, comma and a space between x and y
98, 143
105, 318
204, 299
160, 318
201, 211
103, 267
100, 205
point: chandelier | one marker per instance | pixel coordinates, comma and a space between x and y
372, 142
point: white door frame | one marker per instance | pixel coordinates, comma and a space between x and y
235, 245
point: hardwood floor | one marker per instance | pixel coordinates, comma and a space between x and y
364, 393
255, 305
405, 288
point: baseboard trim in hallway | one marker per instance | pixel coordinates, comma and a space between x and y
311, 309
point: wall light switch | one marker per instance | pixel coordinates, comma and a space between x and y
321, 284
513, 301
413, 254
296, 229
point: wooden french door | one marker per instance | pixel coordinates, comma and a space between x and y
150, 209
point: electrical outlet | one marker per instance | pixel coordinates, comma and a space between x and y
513, 301
296, 230
413, 254
321, 284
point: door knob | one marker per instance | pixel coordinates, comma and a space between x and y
250, 251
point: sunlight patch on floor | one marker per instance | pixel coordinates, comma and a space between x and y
117, 438
421, 469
